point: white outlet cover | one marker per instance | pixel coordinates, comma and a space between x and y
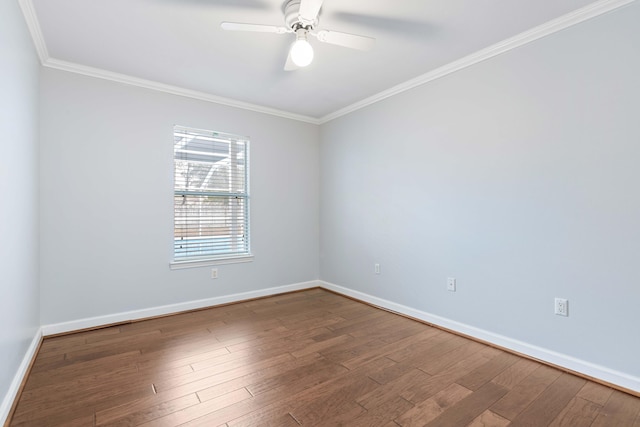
451, 284
561, 307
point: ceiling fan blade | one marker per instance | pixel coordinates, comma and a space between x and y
309, 10
414, 26
236, 26
290, 65
352, 41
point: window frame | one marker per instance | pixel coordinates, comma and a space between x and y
243, 221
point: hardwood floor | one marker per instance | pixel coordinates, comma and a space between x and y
308, 358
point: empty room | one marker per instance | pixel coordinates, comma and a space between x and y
307, 212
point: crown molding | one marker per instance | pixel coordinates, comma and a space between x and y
580, 15
174, 90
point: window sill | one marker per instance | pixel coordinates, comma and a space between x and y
179, 265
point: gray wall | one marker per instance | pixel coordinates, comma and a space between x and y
107, 199
19, 311
518, 176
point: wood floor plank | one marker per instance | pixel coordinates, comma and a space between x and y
285, 420
485, 373
578, 413
116, 345
523, 393
227, 365
46, 362
59, 412
84, 421
299, 372
440, 350
515, 373
173, 331
596, 393
389, 348
219, 362
231, 381
436, 364
304, 313
394, 388
58, 346
196, 411
284, 336
78, 387
304, 358
322, 345
226, 371
314, 411
432, 347
57, 375
294, 395
381, 415
261, 382
550, 402
435, 383
181, 356
423, 352
390, 372
356, 347
236, 333
174, 339
370, 318
389, 330
348, 413
489, 419
314, 323
619, 410
149, 413
466, 410
431, 408
290, 343
352, 310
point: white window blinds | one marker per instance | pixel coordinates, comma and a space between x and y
211, 195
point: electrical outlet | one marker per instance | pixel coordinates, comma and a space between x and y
376, 268
451, 284
214, 273
561, 307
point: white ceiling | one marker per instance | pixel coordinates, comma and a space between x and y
180, 43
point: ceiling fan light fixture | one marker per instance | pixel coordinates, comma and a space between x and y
301, 18
301, 50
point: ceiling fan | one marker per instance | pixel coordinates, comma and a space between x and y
301, 19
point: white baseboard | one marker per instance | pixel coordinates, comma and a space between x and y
93, 322
592, 370
14, 388
589, 369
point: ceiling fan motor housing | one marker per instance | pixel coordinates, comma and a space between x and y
293, 19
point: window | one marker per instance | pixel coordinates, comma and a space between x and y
211, 195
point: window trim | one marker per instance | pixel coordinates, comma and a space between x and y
207, 260
204, 262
